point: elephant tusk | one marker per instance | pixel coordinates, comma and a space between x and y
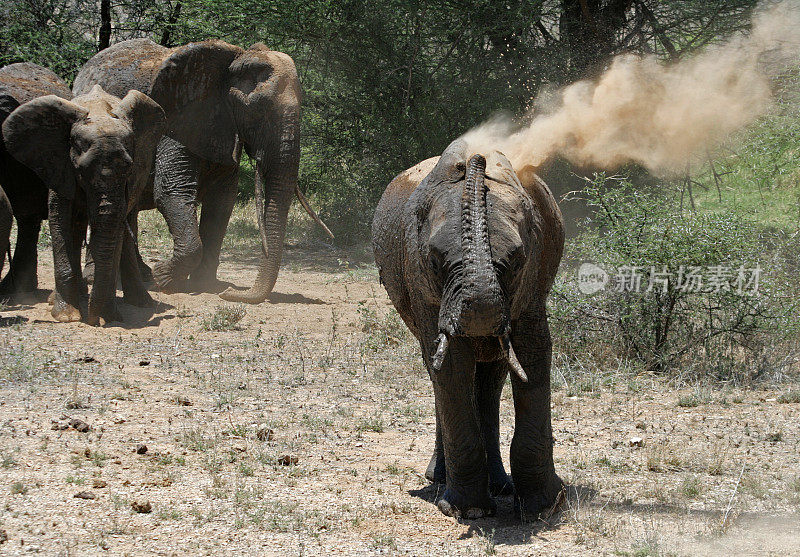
310, 211
516, 367
441, 351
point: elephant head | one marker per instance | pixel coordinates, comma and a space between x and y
94, 153
471, 230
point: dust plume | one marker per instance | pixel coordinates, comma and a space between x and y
660, 116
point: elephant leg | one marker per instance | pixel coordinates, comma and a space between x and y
67, 299
175, 193
220, 186
144, 269
489, 380
88, 267
22, 276
467, 492
436, 471
133, 289
535, 481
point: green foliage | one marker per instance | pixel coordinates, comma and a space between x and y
50, 33
386, 84
757, 171
381, 331
732, 332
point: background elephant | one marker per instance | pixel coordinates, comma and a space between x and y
6, 218
218, 99
468, 257
95, 153
20, 83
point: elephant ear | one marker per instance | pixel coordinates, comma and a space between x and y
192, 86
37, 134
147, 121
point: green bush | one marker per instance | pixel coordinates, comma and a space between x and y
740, 331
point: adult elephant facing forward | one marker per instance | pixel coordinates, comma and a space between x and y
218, 99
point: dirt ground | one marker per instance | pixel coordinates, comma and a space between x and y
305, 428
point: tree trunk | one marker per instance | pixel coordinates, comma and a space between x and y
173, 19
105, 25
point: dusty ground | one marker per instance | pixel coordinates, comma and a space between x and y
326, 367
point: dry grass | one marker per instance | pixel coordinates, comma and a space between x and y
326, 367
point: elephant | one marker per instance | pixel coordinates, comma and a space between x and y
95, 153
218, 99
20, 83
468, 256
6, 218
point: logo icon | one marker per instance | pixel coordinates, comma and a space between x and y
591, 278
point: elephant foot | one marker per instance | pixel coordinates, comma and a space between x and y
109, 314
62, 311
12, 285
542, 502
436, 471
139, 299
165, 281
500, 483
205, 283
457, 505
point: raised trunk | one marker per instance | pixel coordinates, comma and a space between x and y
482, 311
276, 182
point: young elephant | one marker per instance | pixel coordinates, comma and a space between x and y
95, 154
468, 257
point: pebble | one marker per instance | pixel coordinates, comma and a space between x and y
141, 448
142, 506
263, 433
85, 495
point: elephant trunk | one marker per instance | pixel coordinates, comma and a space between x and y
483, 310
476, 305
105, 246
276, 184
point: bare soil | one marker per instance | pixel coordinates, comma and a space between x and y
305, 428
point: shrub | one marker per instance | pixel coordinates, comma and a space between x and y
737, 320
224, 318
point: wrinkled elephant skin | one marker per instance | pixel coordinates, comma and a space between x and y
218, 99
95, 154
468, 256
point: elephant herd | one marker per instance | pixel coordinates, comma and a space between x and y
146, 127
467, 248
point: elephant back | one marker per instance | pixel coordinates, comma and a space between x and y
129, 65
26, 81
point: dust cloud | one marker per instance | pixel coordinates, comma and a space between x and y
662, 116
